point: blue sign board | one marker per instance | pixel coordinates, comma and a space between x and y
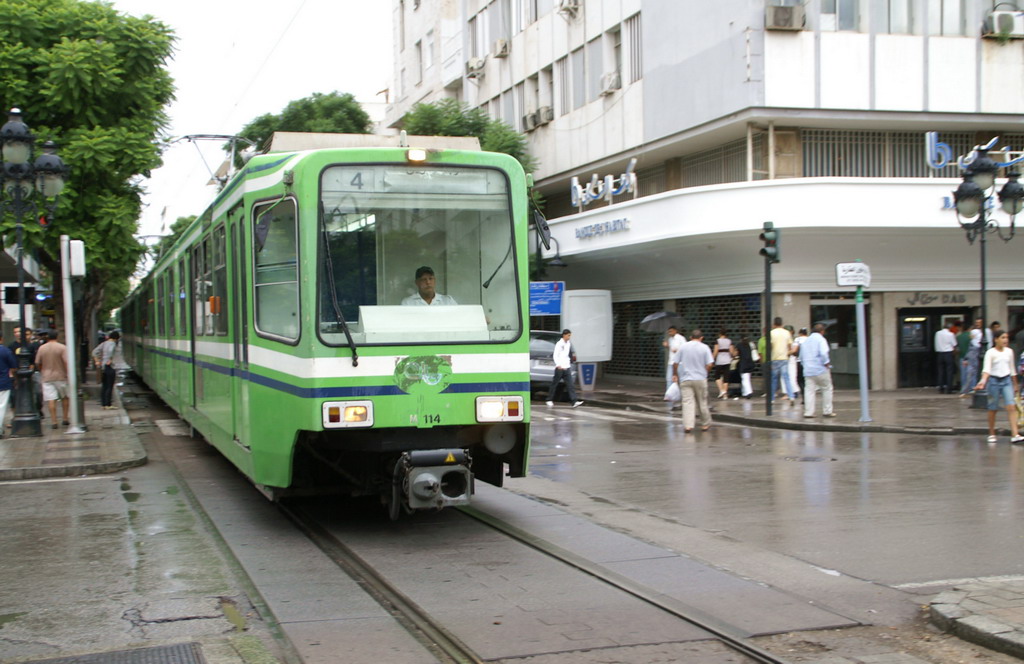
546, 298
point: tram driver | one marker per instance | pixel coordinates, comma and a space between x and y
427, 294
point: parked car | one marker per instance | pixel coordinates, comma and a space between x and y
542, 366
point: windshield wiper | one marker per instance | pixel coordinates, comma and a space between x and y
329, 267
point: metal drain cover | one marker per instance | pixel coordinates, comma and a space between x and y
181, 653
809, 459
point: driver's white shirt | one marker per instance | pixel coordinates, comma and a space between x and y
439, 299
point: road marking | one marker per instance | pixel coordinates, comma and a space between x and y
957, 582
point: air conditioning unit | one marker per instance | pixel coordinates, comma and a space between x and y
530, 121
500, 49
784, 17
545, 114
475, 67
610, 83
1004, 25
569, 7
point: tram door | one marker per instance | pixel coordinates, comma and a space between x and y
239, 325
918, 366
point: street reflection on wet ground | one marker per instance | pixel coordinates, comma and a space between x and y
898, 509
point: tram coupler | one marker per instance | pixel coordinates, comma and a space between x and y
437, 478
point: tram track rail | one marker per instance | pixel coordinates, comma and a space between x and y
723, 632
438, 640
447, 647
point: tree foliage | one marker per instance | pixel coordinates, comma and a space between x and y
177, 228
94, 81
450, 117
334, 112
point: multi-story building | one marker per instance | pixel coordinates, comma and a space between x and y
811, 114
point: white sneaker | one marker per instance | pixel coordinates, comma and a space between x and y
551, 403
577, 404
992, 439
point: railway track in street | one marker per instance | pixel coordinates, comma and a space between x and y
451, 641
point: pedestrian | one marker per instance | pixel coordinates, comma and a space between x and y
52, 360
945, 346
745, 350
24, 345
724, 352
690, 368
999, 379
795, 368
817, 367
563, 357
8, 365
111, 359
782, 343
672, 343
963, 349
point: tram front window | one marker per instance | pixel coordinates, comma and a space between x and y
388, 230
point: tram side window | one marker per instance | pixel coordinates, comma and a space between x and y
160, 328
182, 297
199, 288
220, 283
169, 292
276, 274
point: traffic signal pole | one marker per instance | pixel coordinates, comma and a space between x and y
770, 251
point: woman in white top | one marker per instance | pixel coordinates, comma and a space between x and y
724, 352
999, 373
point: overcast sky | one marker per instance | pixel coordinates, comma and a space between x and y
238, 59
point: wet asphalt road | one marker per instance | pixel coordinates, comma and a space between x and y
905, 511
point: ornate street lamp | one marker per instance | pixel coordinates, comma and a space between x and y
23, 183
973, 198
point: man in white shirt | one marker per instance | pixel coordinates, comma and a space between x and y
690, 366
563, 357
945, 351
673, 343
427, 295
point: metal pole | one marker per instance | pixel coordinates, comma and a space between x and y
766, 361
978, 399
862, 356
26, 420
77, 426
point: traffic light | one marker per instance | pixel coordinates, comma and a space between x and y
770, 237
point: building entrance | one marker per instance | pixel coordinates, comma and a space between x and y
918, 366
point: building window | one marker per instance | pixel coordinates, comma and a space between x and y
900, 17
562, 85
634, 47
839, 14
594, 69
519, 107
946, 17
417, 66
428, 50
579, 80
401, 25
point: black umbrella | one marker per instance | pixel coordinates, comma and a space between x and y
661, 321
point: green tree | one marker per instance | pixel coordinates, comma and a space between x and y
167, 241
334, 113
94, 81
450, 117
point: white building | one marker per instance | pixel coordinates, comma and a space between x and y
811, 114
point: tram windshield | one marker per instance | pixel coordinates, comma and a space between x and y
416, 254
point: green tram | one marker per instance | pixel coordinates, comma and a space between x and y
281, 327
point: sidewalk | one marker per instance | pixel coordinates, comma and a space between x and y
109, 445
990, 613
914, 411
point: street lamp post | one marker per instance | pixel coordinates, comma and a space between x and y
973, 198
23, 181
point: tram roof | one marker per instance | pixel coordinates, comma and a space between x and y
295, 141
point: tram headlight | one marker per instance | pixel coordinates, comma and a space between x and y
347, 414
499, 409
